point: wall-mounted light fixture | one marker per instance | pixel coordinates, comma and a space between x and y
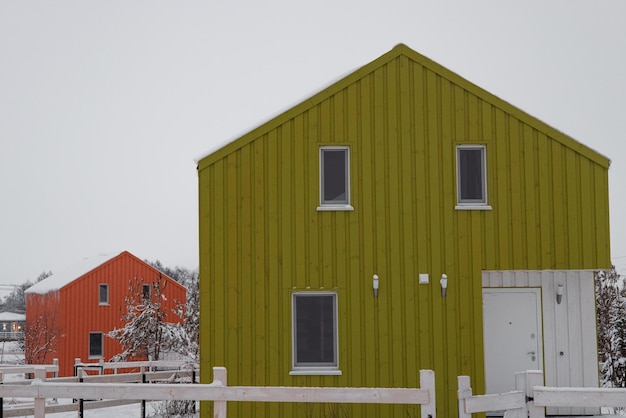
559, 293
375, 285
444, 285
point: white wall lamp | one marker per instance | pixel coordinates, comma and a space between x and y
559, 293
444, 285
375, 285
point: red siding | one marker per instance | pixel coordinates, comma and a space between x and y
79, 312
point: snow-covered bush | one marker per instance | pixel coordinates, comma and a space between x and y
176, 409
611, 317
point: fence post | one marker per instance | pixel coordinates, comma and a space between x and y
81, 401
1, 399
143, 401
55, 361
193, 380
427, 381
40, 403
464, 391
534, 378
219, 407
76, 363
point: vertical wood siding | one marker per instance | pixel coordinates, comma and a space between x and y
80, 313
568, 327
261, 237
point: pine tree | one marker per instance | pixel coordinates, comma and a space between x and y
146, 333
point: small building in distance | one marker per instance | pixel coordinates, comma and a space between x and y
11, 326
69, 314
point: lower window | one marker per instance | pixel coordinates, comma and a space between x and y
95, 344
314, 330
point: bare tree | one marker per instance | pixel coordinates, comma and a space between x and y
41, 338
188, 334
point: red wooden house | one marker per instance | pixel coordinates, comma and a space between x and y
69, 314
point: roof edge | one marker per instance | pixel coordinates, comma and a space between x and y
304, 104
402, 49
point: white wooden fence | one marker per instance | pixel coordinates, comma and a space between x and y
529, 400
532, 398
6, 369
148, 371
11, 336
220, 393
517, 404
149, 365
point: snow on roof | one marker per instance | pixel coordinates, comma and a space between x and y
221, 144
10, 316
68, 275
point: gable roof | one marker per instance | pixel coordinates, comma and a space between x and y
397, 51
69, 274
86, 265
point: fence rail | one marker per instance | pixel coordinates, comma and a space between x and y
28, 368
11, 336
220, 393
579, 397
532, 398
116, 365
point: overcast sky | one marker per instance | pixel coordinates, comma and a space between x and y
105, 105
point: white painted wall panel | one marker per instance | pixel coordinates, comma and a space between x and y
569, 329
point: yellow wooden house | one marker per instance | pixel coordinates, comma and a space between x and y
401, 219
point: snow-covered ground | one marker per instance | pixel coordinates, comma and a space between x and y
117, 412
11, 353
130, 411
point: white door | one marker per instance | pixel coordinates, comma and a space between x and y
512, 332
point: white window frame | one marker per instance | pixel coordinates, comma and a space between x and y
331, 368
334, 205
472, 204
100, 301
101, 355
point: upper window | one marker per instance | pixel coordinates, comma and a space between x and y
314, 331
95, 344
146, 291
103, 294
471, 176
335, 178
